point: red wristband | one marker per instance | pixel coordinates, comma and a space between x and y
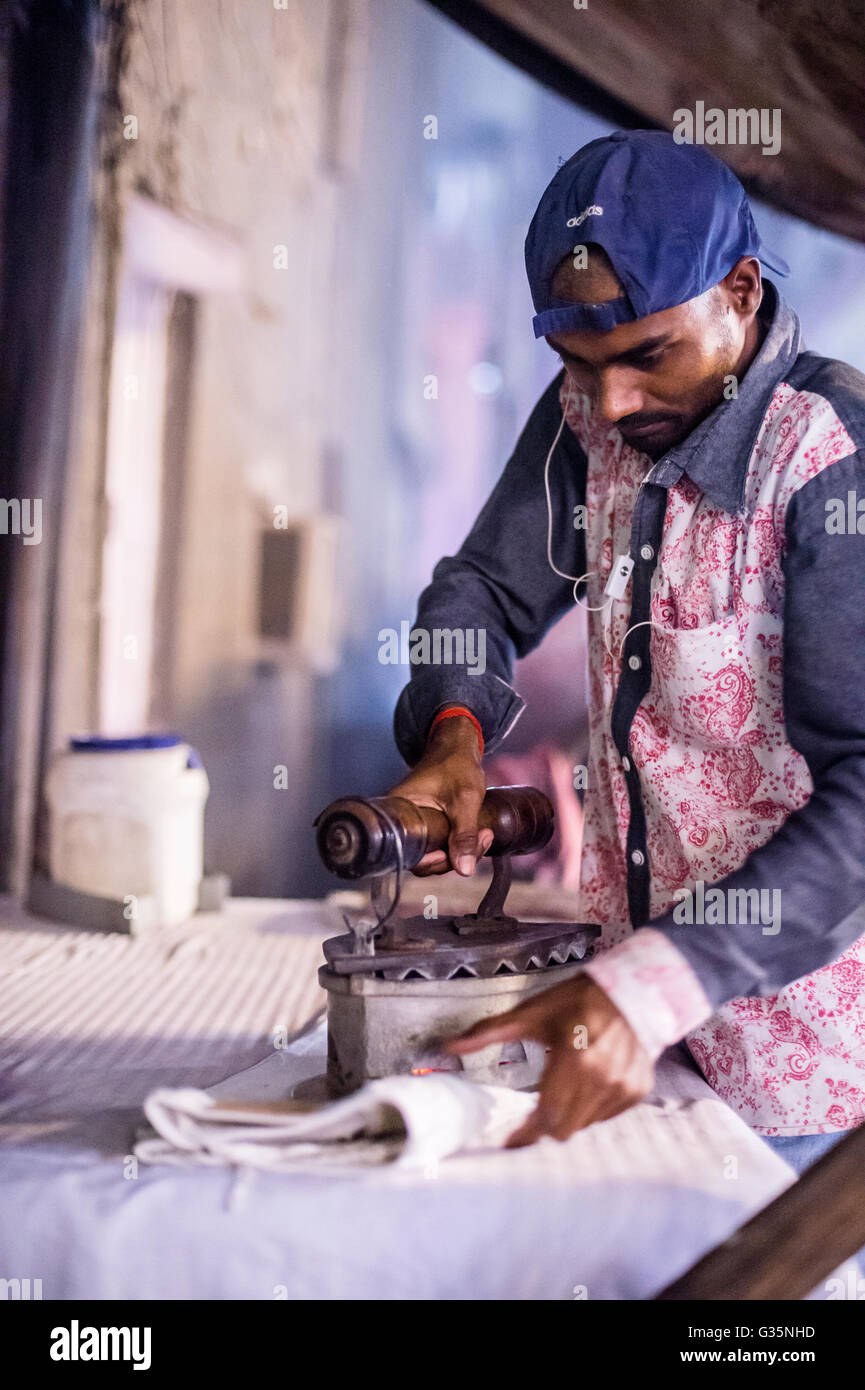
464, 714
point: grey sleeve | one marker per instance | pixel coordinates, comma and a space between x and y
817, 857
499, 590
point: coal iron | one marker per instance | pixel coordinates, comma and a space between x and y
399, 988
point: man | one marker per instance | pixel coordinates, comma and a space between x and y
694, 459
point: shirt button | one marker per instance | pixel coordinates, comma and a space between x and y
638, 857
634, 662
626, 763
647, 552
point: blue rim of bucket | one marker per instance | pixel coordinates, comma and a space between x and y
134, 743
97, 743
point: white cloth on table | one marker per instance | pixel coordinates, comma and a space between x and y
410, 1120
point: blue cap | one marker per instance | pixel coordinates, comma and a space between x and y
672, 218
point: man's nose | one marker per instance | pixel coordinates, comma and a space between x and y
619, 395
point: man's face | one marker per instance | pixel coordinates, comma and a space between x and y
657, 378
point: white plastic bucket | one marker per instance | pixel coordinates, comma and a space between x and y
127, 822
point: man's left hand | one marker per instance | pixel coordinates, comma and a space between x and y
596, 1066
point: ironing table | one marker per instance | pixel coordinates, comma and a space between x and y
92, 1023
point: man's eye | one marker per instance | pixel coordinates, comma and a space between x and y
646, 364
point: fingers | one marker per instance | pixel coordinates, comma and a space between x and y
551, 1114
528, 1133
560, 1098
463, 842
618, 1106
455, 786
484, 1035
572, 1100
518, 1023
436, 862
587, 1078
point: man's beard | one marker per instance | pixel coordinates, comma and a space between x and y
664, 430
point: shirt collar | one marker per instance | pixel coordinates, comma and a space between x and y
716, 454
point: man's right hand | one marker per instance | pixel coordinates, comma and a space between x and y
450, 777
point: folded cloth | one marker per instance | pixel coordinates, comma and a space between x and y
411, 1121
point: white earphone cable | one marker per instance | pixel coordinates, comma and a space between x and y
577, 579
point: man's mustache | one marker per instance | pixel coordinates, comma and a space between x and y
634, 422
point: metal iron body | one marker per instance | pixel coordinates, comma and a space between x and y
399, 988
379, 1028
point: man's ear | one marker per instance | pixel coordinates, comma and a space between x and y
743, 285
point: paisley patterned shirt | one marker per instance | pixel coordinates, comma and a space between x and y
725, 791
